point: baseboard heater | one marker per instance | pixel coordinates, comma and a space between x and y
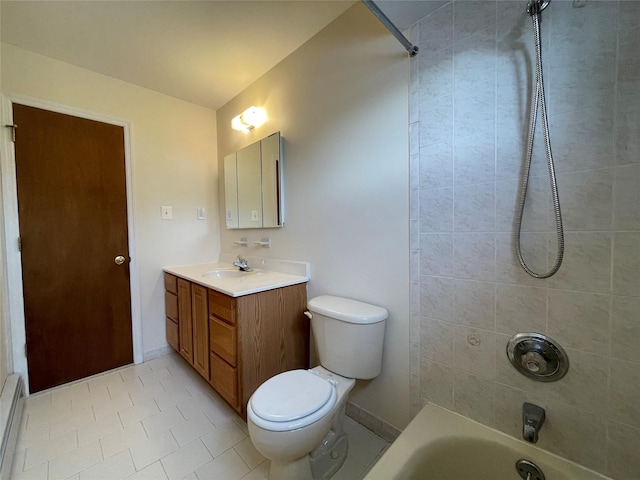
11, 407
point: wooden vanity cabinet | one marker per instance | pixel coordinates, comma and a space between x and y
185, 322
238, 343
171, 310
200, 319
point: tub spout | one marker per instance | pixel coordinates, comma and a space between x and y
533, 417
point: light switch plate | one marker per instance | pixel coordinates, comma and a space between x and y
201, 213
166, 212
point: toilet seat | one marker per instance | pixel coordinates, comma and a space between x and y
291, 400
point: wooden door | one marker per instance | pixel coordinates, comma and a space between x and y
185, 324
73, 224
200, 314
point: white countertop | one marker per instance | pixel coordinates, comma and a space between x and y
268, 275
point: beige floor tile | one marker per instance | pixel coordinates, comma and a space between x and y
89, 399
113, 405
174, 395
38, 472
139, 412
35, 434
117, 467
154, 471
120, 440
189, 430
129, 385
228, 466
71, 421
146, 393
50, 449
155, 376
17, 466
98, 428
364, 445
185, 460
261, 472
133, 371
101, 381
216, 411
40, 413
161, 423
73, 462
222, 438
150, 451
60, 395
248, 453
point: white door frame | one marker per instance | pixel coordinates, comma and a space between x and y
13, 291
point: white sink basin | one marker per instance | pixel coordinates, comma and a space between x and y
226, 274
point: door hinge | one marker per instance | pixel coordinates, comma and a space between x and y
13, 131
19, 244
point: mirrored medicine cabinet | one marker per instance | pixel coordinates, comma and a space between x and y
253, 185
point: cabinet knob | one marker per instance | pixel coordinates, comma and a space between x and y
119, 260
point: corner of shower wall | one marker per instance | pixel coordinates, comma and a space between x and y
414, 228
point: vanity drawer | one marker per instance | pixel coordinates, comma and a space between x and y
222, 340
171, 305
222, 306
172, 334
224, 379
171, 283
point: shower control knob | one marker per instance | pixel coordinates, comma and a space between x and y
534, 362
537, 356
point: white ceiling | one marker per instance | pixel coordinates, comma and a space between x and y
204, 52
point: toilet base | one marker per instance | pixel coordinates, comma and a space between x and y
299, 469
325, 462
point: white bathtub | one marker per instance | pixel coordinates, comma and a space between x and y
441, 445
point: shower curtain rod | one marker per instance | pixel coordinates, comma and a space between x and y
412, 49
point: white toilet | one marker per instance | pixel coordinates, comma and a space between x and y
296, 418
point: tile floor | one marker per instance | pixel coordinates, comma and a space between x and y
157, 420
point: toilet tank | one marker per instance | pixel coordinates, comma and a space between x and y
349, 335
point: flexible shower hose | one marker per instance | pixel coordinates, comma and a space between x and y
538, 97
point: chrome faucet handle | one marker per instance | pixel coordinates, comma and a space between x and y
242, 264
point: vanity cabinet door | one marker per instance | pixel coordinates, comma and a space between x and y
171, 310
224, 378
200, 316
185, 323
223, 340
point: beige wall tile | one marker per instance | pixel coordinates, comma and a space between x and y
520, 309
475, 351
580, 320
625, 328
624, 393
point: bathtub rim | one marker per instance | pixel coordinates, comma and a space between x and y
433, 423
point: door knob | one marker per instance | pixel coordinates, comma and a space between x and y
119, 260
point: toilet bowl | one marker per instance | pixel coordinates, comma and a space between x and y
296, 413
296, 418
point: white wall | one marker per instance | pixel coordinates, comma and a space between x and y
340, 102
173, 145
5, 342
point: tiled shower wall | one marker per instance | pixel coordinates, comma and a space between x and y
470, 94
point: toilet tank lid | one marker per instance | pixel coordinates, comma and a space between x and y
346, 309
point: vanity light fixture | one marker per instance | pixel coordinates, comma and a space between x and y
252, 117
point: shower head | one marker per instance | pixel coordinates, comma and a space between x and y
536, 6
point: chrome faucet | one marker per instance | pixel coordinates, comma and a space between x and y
242, 264
532, 421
